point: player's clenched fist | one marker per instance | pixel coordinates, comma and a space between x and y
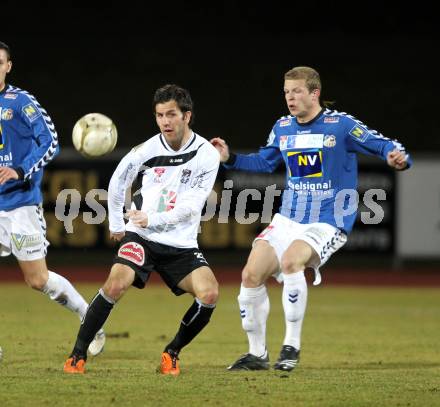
397, 159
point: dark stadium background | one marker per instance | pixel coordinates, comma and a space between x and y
376, 62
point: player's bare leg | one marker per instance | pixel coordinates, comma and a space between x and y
296, 258
201, 283
254, 305
60, 290
119, 280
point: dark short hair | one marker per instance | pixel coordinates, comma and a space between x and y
173, 92
6, 48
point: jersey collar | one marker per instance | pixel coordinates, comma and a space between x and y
312, 120
183, 148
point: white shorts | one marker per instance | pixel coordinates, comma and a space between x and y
324, 239
23, 233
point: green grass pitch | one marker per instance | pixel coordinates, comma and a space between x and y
361, 347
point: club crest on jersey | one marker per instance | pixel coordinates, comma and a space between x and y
359, 133
31, 112
306, 164
185, 176
331, 119
329, 140
133, 252
11, 96
158, 174
7, 114
285, 122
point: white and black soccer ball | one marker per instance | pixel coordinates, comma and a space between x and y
94, 135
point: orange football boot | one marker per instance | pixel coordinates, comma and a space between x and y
169, 364
75, 364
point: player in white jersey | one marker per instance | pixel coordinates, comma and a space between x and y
170, 176
28, 141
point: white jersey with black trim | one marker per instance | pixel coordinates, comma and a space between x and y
170, 186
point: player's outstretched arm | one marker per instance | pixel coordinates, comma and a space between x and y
266, 159
221, 147
397, 159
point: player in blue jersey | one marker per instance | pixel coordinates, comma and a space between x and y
28, 142
318, 147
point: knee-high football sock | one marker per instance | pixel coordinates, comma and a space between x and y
294, 304
195, 319
96, 315
254, 310
62, 291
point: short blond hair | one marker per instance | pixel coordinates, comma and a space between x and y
313, 81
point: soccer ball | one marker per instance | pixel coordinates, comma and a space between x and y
94, 135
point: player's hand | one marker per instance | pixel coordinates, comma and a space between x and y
138, 218
221, 147
396, 159
6, 174
117, 236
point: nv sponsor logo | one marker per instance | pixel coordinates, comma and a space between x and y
305, 164
307, 159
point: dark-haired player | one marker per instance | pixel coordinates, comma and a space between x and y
173, 173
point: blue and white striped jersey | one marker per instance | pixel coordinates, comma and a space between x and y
321, 165
28, 142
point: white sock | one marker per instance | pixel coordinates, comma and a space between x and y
254, 310
62, 291
294, 304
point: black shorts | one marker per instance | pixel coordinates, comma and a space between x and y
145, 256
